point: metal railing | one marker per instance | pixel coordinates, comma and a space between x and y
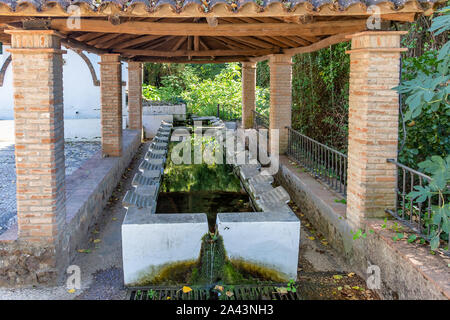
323, 162
260, 120
413, 214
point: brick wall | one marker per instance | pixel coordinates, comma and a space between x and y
248, 93
280, 97
373, 124
111, 105
135, 95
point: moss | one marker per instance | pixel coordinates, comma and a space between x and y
203, 272
225, 271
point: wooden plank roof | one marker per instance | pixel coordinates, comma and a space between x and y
199, 31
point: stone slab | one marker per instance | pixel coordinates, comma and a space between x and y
157, 161
147, 166
161, 152
266, 239
273, 207
158, 145
257, 189
161, 138
261, 178
147, 190
133, 199
140, 180
151, 242
277, 195
248, 171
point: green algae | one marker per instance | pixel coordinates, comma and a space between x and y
212, 267
198, 177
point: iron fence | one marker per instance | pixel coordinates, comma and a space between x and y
260, 120
323, 162
415, 215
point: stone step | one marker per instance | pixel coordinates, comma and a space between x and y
140, 180
275, 196
132, 199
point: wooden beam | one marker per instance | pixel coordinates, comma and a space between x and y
203, 61
72, 43
318, 45
203, 29
193, 53
311, 48
196, 43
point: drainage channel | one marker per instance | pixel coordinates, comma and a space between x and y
238, 292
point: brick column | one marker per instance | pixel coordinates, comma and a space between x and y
111, 100
373, 124
39, 131
248, 93
135, 95
280, 97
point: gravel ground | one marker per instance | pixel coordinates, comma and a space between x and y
101, 262
76, 154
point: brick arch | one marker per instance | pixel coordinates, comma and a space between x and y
3, 70
88, 62
90, 66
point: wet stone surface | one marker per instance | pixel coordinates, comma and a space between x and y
76, 154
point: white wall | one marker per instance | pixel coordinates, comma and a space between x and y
81, 97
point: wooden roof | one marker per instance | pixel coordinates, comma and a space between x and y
201, 31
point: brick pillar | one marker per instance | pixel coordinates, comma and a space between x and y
280, 97
248, 93
373, 124
135, 95
39, 131
111, 100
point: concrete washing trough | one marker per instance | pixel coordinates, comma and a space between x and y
153, 243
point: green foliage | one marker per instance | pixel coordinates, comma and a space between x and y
320, 95
428, 112
439, 222
203, 87
198, 177
203, 96
426, 108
